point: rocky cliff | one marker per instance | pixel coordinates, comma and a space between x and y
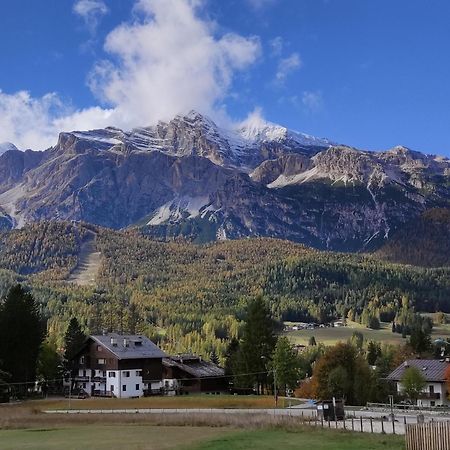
190, 177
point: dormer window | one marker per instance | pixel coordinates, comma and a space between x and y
138, 343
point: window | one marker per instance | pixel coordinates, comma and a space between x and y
82, 360
84, 385
112, 388
137, 387
139, 373
101, 361
124, 388
126, 374
84, 373
112, 374
99, 348
138, 344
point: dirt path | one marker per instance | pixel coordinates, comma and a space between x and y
89, 260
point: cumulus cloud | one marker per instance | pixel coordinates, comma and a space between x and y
286, 66
312, 101
35, 122
167, 61
90, 11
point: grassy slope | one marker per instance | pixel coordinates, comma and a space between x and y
301, 439
193, 438
105, 437
329, 336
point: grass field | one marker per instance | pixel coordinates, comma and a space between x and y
330, 336
188, 401
190, 438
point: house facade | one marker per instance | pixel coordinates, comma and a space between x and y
121, 366
435, 391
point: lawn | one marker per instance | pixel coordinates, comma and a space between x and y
332, 335
191, 438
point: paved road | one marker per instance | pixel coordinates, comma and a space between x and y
357, 420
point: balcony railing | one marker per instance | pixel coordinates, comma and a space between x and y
430, 395
81, 378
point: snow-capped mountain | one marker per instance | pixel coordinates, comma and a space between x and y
189, 176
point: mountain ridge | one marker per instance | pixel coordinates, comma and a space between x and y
192, 178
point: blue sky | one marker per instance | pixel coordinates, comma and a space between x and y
372, 74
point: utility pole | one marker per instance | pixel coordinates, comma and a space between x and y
70, 391
275, 387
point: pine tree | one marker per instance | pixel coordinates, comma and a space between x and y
21, 335
214, 358
258, 343
286, 365
73, 341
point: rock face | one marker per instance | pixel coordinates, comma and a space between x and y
190, 177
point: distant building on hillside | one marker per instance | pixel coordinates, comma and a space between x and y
122, 366
435, 392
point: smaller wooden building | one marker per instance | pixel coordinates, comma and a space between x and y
191, 373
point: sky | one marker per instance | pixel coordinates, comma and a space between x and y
370, 74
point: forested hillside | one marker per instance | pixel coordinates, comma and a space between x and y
423, 242
192, 297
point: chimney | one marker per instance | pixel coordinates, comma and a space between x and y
406, 364
125, 342
114, 342
447, 359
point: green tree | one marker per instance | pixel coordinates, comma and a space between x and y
258, 343
373, 352
420, 339
338, 382
21, 335
214, 358
49, 363
312, 341
413, 383
286, 364
73, 341
357, 340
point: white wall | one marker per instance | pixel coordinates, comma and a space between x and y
116, 379
439, 388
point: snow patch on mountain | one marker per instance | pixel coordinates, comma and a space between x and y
184, 207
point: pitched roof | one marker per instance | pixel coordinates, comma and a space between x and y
431, 369
138, 347
194, 365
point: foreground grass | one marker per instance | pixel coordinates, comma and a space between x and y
191, 438
105, 437
301, 439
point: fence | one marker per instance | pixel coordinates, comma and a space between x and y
428, 436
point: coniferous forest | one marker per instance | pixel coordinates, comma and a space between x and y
191, 297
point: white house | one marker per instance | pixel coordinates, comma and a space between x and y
435, 392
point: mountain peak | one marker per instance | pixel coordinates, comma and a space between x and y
7, 146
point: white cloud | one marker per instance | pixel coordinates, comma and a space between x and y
276, 45
90, 11
286, 66
35, 122
312, 101
168, 61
